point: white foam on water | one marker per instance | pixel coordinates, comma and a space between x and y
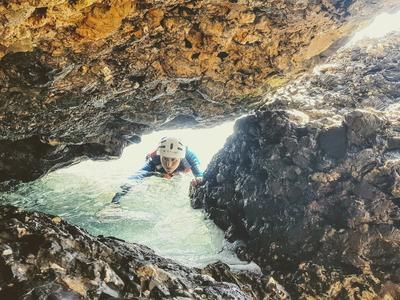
156, 212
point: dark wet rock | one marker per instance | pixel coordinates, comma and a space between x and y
66, 295
361, 75
97, 72
333, 142
313, 195
314, 198
31, 158
44, 258
394, 143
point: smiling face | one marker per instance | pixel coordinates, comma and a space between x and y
170, 164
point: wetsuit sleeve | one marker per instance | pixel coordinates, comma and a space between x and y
194, 162
145, 171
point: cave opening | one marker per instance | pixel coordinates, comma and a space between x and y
155, 213
327, 208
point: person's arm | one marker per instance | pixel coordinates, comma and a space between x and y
145, 171
194, 162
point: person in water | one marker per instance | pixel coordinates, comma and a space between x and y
170, 158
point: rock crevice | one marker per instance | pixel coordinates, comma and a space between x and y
311, 196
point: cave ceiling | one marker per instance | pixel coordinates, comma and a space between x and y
84, 77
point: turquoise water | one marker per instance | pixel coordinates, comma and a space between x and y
156, 212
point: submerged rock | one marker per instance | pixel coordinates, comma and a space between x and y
43, 257
314, 198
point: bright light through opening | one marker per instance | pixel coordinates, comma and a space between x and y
382, 25
156, 212
204, 142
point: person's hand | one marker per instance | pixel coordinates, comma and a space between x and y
117, 198
197, 181
125, 188
167, 176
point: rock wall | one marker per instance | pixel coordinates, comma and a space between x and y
314, 197
309, 186
365, 74
44, 258
97, 72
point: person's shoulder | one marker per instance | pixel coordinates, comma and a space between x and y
189, 151
152, 155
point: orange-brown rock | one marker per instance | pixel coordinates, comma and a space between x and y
91, 72
277, 36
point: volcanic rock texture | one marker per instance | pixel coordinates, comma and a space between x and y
365, 74
314, 197
310, 183
44, 258
78, 75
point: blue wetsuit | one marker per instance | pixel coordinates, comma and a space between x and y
153, 167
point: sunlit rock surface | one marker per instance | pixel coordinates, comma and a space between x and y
314, 197
43, 257
311, 189
366, 74
90, 72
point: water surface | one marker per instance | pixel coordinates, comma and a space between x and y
156, 212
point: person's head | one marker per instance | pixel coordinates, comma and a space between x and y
171, 151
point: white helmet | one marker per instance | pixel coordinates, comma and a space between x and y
171, 147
